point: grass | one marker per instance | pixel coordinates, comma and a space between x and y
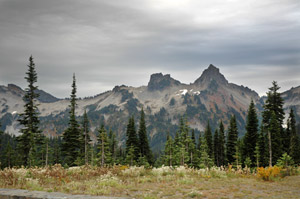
138, 182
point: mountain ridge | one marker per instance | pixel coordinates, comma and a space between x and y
165, 100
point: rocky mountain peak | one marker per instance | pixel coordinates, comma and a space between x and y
211, 73
158, 81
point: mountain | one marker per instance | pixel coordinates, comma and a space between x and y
165, 100
292, 100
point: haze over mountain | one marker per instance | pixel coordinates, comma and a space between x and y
165, 100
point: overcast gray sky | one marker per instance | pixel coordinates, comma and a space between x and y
108, 43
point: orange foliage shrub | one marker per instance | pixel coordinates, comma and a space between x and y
268, 173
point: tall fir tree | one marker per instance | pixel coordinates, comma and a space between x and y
209, 140
31, 136
113, 145
169, 151
261, 142
216, 148
104, 148
275, 141
232, 141
85, 138
274, 108
132, 142
184, 141
194, 160
199, 141
251, 136
144, 147
205, 160
222, 156
71, 136
294, 138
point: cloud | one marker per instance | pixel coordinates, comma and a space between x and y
107, 43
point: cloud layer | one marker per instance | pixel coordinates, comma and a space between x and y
107, 43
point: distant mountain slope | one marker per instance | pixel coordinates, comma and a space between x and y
210, 98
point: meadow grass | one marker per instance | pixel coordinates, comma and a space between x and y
163, 182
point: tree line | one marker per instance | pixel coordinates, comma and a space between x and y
262, 145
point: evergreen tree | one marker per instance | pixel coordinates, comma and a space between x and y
273, 108
221, 144
71, 136
85, 138
169, 151
104, 148
208, 138
144, 147
8, 157
31, 136
199, 142
130, 155
257, 153
275, 144
184, 141
132, 139
232, 141
262, 147
194, 160
57, 150
294, 138
205, 160
112, 145
216, 148
250, 138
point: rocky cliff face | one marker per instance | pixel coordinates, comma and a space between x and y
210, 98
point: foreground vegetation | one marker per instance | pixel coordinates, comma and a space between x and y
163, 182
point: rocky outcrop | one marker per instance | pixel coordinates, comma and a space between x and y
159, 81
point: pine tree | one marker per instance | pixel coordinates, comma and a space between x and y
57, 150
169, 151
71, 136
250, 138
85, 138
199, 142
205, 159
31, 137
184, 141
112, 145
8, 157
257, 154
144, 147
221, 144
232, 141
130, 155
294, 138
262, 147
208, 138
104, 148
274, 108
132, 139
216, 148
194, 160
275, 143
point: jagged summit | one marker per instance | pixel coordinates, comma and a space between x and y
211, 73
158, 81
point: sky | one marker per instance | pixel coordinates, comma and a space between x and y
109, 43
